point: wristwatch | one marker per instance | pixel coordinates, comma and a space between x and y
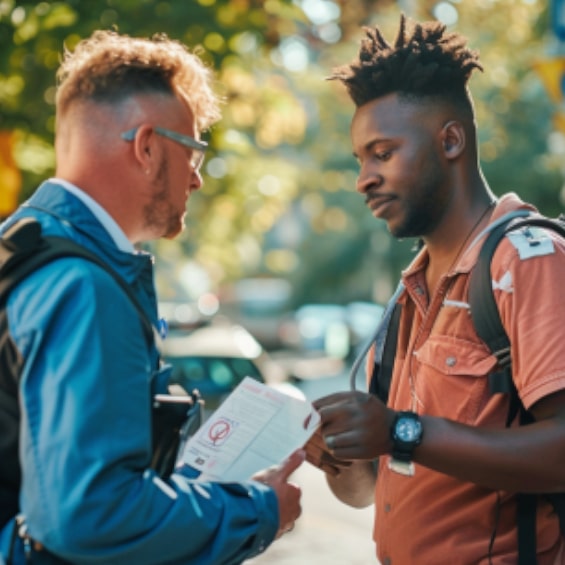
406, 433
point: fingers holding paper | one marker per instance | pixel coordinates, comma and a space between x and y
319, 455
354, 425
288, 493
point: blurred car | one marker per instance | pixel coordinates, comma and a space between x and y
216, 358
321, 328
332, 328
257, 304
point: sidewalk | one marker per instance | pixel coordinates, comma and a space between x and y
328, 531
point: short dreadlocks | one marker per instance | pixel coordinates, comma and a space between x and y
425, 62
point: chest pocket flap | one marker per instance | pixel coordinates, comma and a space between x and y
451, 377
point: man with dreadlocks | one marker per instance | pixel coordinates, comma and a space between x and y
448, 468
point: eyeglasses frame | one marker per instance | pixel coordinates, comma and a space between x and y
198, 147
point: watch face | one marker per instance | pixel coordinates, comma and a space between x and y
408, 429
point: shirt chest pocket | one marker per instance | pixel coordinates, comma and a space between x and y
450, 377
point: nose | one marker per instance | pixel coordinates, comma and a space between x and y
196, 180
368, 180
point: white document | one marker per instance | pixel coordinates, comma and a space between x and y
254, 428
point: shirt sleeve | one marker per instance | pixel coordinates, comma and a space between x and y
85, 444
527, 282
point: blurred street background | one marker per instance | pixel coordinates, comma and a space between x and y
278, 217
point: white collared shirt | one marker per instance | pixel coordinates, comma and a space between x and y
109, 224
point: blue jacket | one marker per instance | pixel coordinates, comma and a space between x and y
85, 440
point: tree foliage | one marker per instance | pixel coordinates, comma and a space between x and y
279, 195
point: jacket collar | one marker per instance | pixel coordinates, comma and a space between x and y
63, 214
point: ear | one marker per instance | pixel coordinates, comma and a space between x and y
145, 149
453, 139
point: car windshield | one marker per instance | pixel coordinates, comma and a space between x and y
212, 375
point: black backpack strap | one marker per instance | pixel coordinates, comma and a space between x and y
485, 315
377, 342
382, 372
23, 250
488, 325
484, 310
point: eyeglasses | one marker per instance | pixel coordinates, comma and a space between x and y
198, 147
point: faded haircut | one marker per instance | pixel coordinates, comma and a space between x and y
425, 63
108, 67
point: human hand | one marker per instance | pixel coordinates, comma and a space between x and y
355, 425
317, 454
288, 493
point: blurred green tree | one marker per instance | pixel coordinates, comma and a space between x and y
279, 198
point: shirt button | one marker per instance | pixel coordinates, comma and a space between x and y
387, 508
419, 290
451, 361
387, 561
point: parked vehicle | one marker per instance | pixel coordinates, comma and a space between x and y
334, 331
215, 359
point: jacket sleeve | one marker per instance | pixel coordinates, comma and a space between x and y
85, 439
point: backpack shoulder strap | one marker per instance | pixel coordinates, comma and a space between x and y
384, 337
382, 370
484, 310
488, 325
23, 249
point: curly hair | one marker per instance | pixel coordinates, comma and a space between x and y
108, 67
425, 62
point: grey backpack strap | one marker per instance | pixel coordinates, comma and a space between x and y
378, 338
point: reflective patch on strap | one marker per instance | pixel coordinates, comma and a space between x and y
504, 284
531, 242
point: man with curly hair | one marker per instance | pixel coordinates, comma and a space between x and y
130, 112
447, 469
